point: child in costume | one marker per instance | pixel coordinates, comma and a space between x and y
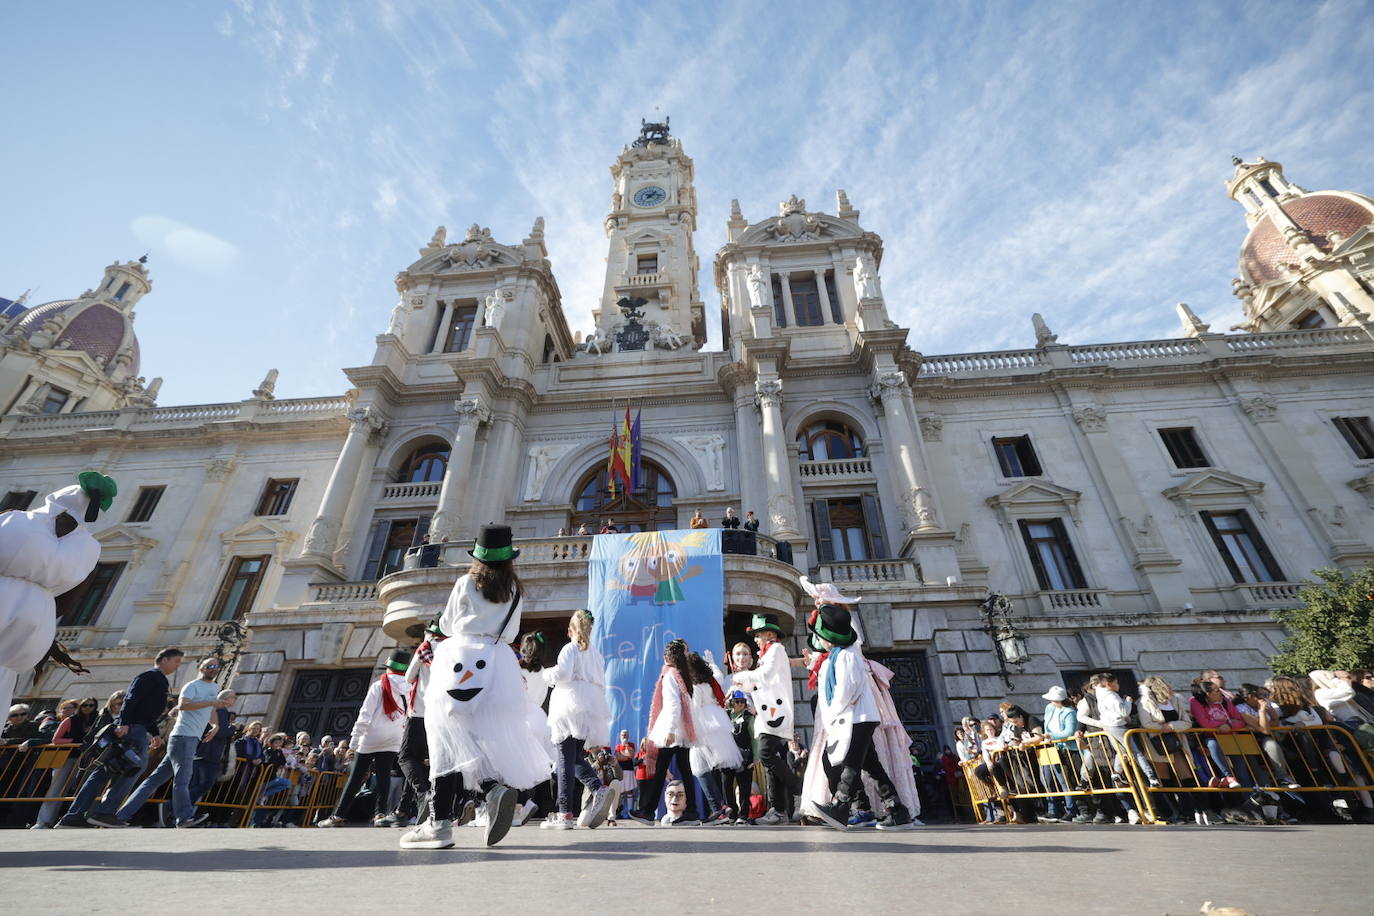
848, 711
42, 555
435, 832
534, 658
578, 716
715, 749
376, 739
672, 729
770, 685
475, 705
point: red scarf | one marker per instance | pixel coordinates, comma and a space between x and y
717, 692
818, 659
391, 706
688, 726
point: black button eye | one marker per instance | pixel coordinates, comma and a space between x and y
458, 667
482, 664
779, 701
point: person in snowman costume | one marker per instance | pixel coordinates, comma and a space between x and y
476, 722
770, 684
848, 711
43, 553
579, 716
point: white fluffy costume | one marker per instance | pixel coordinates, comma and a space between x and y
771, 686
578, 707
36, 565
715, 747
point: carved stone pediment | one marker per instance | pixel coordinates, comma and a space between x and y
259, 534
124, 541
794, 224
1033, 496
1214, 483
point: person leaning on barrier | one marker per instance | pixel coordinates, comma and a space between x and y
1261, 715
1212, 708
19, 727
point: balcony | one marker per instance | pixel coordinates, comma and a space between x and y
1075, 599
343, 592
1270, 595
899, 569
427, 492
653, 279
835, 470
554, 573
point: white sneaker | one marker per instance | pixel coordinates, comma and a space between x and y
558, 822
1133, 816
429, 835
524, 813
480, 819
594, 811
772, 817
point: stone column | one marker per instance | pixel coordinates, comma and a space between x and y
446, 317
826, 317
789, 310
738, 382
323, 536
447, 523
905, 462
782, 509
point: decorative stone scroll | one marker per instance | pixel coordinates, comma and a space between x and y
1092, 418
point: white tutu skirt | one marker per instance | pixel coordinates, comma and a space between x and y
578, 709
539, 728
715, 747
477, 716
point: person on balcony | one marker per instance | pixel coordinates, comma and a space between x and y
731, 520
751, 522
698, 521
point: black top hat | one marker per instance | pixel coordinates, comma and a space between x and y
399, 660
834, 626
494, 544
765, 622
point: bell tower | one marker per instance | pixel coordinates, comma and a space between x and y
650, 254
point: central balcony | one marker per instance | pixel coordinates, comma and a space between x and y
554, 574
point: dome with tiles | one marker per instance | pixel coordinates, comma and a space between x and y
96, 328
1321, 214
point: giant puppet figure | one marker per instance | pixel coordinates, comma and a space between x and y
43, 553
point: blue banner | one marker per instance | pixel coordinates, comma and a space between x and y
645, 590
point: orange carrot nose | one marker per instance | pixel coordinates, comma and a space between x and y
464, 678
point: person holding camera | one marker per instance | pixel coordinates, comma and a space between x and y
126, 753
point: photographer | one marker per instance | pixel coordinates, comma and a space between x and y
120, 763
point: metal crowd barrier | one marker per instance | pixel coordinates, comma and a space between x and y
50, 775
1154, 769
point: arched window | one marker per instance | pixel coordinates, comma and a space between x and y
827, 440
427, 463
648, 508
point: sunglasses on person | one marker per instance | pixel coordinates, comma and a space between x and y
88, 706
19, 715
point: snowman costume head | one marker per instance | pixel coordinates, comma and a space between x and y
41, 558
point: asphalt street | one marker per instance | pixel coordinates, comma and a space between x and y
755, 870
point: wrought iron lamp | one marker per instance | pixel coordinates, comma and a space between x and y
1007, 641
231, 635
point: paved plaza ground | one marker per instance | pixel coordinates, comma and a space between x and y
939, 870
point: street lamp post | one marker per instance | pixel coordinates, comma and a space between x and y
1008, 643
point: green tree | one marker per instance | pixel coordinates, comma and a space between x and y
1334, 627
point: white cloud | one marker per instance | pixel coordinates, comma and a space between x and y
185, 245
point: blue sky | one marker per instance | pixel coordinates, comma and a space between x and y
283, 160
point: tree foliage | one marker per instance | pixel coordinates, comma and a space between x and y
1334, 627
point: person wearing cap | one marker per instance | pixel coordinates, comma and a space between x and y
436, 831
375, 742
849, 712
43, 553
476, 716
738, 782
1061, 723
770, 684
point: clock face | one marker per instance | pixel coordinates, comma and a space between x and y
650, 196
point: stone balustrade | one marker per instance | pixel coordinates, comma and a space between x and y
395, 492
996, 361
1137, 351
644, 279
68, 635
191, 415
1270, 595
899, 569
343, 592
835, 469
1073, 599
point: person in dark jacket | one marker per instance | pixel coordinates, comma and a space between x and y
145, 702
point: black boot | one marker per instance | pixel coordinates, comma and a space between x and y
835, 814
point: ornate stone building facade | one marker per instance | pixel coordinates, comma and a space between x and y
1144, 506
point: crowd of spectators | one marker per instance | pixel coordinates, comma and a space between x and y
1216, 781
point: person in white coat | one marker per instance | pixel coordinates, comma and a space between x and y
849, 711
673, 731
43, 553
579, 715
770, 686
436, 831
375, 742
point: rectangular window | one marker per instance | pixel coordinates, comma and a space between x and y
548, 350
1183, 447
1241, 547
806, 301
82, 605
1358, 433
391, 538
123, 288
240, 587
848, 530
460, 330
148, 498
646, 264
276, 497
779, 303
1016, 456
1051, 555
19, 500
1309, 320
54, 401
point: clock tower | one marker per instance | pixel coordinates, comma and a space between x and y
650, 255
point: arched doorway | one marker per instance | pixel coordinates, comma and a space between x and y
648, 508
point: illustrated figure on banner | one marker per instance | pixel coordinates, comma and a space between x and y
655, 568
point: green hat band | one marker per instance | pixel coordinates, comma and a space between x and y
493, 554
831, 636
397, 666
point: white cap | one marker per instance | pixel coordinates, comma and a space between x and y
1056, 693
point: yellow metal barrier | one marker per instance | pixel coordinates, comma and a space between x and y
1085, 767
39, 773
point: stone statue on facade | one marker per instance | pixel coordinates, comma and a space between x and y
709, 451
665, 337
267, 387
439, 238
1044, 337
496, 308
758, 288
866, 278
